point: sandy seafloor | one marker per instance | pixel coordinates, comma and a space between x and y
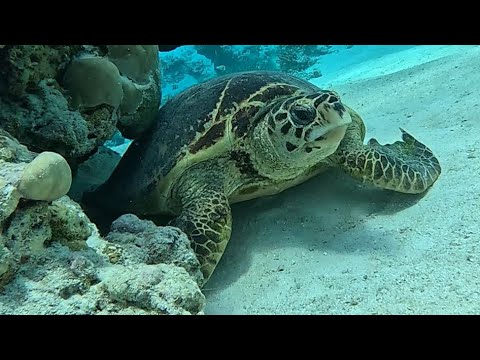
333, 246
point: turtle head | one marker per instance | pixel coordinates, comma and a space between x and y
307, 128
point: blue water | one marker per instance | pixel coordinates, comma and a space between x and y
186, 66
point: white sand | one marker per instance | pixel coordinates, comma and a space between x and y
332, 246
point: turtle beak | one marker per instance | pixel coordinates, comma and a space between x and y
333, 128
322, 133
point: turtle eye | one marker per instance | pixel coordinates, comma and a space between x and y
303, 115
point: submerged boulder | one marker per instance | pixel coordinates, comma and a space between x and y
71, 99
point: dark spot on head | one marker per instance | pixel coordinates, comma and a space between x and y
332, 99
308, 149
286, 128
339, 107
271, 122
320, 100
312, 96
211, 260
298, 132
276, 107
290, 146
280, 117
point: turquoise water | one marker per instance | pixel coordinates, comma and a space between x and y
188, 65
349, 240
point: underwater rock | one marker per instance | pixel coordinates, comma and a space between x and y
142, 241
135, 62
8, 265
42, 120
163, 288
139, 70
43, 270
32, 226
70, 226
53, 260
93, 81
24, 66
25, 175
12, 151
70, 99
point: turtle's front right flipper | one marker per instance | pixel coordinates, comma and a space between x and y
406, 166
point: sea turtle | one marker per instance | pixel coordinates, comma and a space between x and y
246, 135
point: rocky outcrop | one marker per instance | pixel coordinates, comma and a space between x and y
53, 260
71, 99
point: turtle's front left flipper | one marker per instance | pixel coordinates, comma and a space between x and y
205, 215
406, 166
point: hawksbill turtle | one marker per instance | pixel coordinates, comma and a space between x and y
246, 135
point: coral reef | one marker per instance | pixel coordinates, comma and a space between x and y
144, 242
295, 59
182, 68
139, 66
186, 66
53, 260
234, 58
71, 99
23, 174
42, 273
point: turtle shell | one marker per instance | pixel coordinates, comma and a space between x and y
200, 123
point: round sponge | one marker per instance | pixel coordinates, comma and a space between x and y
48, 177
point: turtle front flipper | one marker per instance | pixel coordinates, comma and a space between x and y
205, 216
406, 166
